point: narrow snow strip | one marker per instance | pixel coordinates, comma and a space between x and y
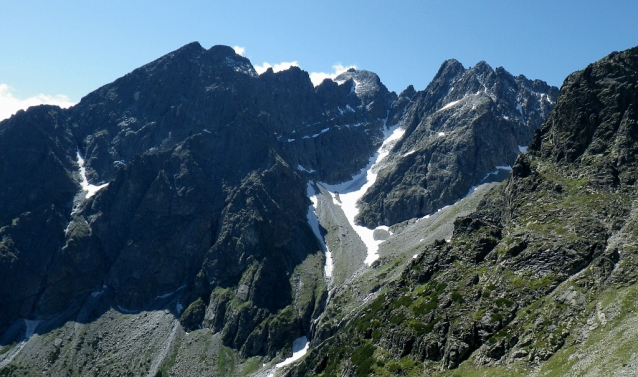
450, 104
409, 153
321, 132
169, 294
299, 348
522, 148
488, 174
301, 168
351, 191
503, 167
313, 221
86, 186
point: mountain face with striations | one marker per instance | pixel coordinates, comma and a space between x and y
187, 204
464, 129
541, 278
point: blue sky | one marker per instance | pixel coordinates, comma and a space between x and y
62, 50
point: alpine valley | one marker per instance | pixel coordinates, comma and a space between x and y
196, 218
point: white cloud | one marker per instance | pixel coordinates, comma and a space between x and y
9, 104
276, 68
239, 50
318, 77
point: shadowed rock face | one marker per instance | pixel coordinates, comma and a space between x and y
545, 262
205, 166
459, 130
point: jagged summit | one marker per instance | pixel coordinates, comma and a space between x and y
464, 129
366, 84
221, 214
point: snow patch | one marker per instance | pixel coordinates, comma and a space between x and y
498, 167
299, 348
519, 107
31, 326
301, 168
321, 132
522, 148
169, 294
386, 228
440, 134
179, 307
241, 67
86, 186
449, 105
351, 191
205, 130
328, 268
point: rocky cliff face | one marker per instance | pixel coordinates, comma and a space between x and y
201, 167
182, 188
541, 277
464, 129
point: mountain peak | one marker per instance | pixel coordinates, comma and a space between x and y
449, 69
482, 67
222, 50
366, 84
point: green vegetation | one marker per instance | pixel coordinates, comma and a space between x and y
226, 361
251, 366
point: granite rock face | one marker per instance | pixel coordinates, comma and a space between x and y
539, 278
199, 170
185, 183
464, 129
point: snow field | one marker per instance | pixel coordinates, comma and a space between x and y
347, 194
86, 186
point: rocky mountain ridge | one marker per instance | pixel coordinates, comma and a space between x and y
465, 128
199, 171
540, 278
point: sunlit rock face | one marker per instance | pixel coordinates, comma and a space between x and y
183, 186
